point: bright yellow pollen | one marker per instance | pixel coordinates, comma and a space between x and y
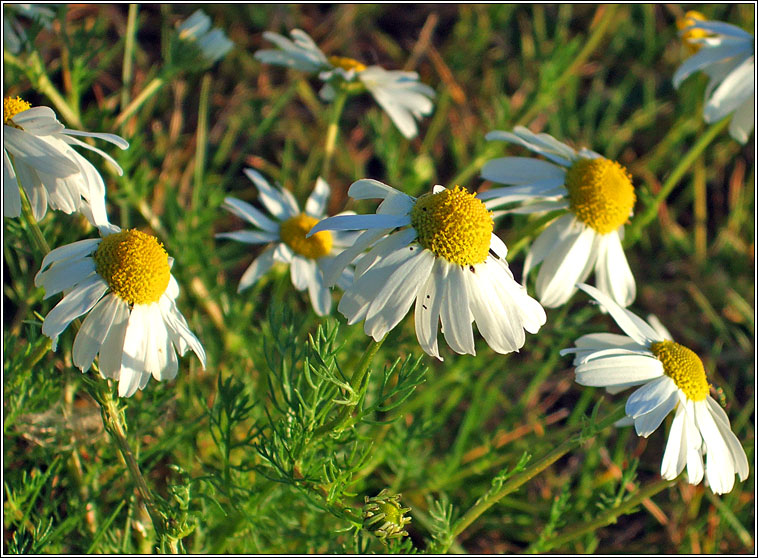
346, 64
690, 18
11, 107
684, 367
134, 265
454, 225
601, 194
293, 231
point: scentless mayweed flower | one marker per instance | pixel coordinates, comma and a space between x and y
38, 155
286, 234
598, 197
123, 283
726, 54
672, 378
196, 30
445, 258
384, 516
399, 93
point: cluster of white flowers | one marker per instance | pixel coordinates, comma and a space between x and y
121, 281
438, 252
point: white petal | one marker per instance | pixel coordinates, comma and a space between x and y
79, 301
256, 269
524, 170
427, 313
719, 468
614, 277
113, 343
367, 189
279, 202
11, 195
455, 313
319, 293
703, 58
634, 326
179, 331
546, 241
360, 222
618, 370
302, 271
94, 329
652, 395
743, 121
732, 92
249, 213
334, 269
65, 275
675, 455
250, 237
135, 352
567, 264
315, 206
735, 448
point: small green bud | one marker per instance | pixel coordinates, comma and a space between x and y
384, 516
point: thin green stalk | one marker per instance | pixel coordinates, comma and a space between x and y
37, 237
127, 71
331, 132
201, 139
150, 90
356, 381
518, 480
112, 421
35, 71
635, 229
606, 518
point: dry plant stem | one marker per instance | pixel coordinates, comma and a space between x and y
331, 133
515, 482
144, 95
127, 72
635, 230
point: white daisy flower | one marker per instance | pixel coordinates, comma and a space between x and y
446, 259
598, 197
726, 54
124, 281
38, 154
399, 93
213, 43
672, 378
285, 231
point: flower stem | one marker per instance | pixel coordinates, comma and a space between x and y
356, 381
37, 237
635, 229
127, 71
139, 100
518, 480
606, 518
331, 132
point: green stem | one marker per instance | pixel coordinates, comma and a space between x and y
35, 71
201, 140
127, 70
37, 237
140, 99
112, 420
331, 132
515, 482
356, 381
608, 517
651, 211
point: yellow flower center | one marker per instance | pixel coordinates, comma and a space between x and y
454, 225
684, 367
134, 265
690, 18
346, 64
293, 231
601, 194
11, 107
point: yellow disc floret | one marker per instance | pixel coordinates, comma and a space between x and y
11, 107
134, 265
454, 225
346, 64
689, 19
293, 231
600, 192
684, 367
